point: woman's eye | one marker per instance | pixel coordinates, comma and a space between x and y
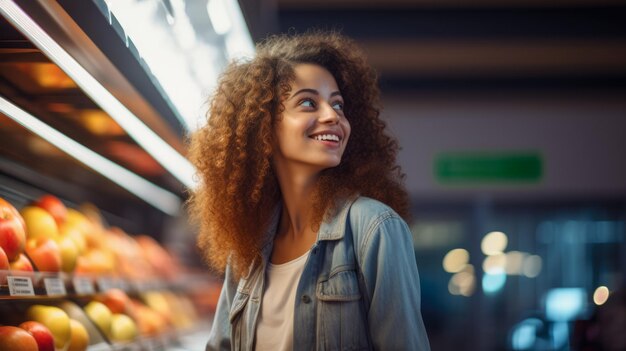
307, 103
338, 106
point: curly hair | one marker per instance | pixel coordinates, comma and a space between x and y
238, 191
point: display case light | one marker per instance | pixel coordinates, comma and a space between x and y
152, 194
238, 41
167, 156
220, 18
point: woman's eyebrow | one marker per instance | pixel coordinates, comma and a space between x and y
305, 90
336, 93
313, 91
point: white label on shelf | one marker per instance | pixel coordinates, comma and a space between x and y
140, 286
20, 286
83, 286
123, 284
105, 283
54, 286
101, 346
151, 344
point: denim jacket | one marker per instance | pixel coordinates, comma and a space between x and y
359, 289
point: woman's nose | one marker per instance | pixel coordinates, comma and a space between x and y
329, 114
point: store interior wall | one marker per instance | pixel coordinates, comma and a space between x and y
580, 140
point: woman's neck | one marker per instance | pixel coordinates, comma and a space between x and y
297, 188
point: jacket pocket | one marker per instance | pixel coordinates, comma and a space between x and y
342, 324
342, 285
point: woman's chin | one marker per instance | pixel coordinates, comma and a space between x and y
330, 164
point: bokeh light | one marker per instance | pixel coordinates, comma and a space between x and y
493, 282
494, 243
532, 266
463, 282
565, 304
515, 262
600, 295
525, 334
494, 263
455, 260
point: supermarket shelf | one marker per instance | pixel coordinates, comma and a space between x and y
70, 285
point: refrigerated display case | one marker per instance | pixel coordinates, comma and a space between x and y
136, 282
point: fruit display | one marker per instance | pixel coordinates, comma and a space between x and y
91, 284
46, 236
14, 338
55, 319
48, 325
43, 336
22, 263
12, 231
79, 337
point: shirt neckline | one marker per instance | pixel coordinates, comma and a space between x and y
288, 264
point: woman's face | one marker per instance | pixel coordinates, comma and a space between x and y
313, 130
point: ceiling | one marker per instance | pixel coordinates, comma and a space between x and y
461, 45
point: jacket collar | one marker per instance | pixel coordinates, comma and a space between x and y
332, 228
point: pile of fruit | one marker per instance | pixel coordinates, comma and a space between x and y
46, 236
46, 328
49, 237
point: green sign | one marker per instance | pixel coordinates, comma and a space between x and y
488, 167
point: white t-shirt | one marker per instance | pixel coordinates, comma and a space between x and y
274, 330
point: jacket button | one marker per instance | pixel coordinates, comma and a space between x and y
306, 298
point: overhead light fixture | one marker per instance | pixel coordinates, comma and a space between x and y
220, 18
152, 194
228, 21
167, 156
238, 40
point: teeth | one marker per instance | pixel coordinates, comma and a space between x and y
326, 137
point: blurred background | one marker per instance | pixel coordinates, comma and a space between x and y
511, 116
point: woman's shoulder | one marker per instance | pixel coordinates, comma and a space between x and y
369, 207
370, 220
366, 213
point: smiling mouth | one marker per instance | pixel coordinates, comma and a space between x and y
326, 137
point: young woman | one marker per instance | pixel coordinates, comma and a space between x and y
300, 205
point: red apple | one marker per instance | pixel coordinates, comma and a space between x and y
4, 266
12, 230
45, 253
116, 300
54, 206
22, 264
14, 338
4, 260
43, 335
161, 260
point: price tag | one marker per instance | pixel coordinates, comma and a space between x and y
123, 285
54, 286
105, 283
102, 346
83, 286
151, 344
141, 286
20, 286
